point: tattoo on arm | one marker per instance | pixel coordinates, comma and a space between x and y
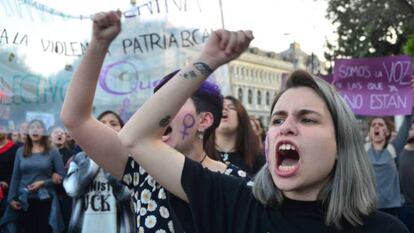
203, 68
165, 121
190, 74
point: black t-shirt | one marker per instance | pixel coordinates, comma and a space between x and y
152, 208
406, 162
226, 204
237, 159
7, 155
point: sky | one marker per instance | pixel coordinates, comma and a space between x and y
275, 23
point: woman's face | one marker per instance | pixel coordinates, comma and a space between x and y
181, 133
36, 131
111, 121
58, 136
301, 145
229, 121
378, 131
15, 136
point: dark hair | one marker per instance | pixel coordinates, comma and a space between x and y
44, 141
259, 124
106, 112
247, 144
207, 98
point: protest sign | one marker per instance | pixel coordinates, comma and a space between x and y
375, 86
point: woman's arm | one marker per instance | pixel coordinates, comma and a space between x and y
97, 140
142, 133
402, 135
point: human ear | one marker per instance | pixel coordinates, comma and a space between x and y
206, 120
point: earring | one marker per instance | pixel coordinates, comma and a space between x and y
200, 134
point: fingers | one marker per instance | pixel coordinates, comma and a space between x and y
238, 41
105, 19
412, 82
30, 187
224, 37
232, 44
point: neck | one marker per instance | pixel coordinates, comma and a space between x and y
226, 142
378, 145
59, 146
196, 153
37, 146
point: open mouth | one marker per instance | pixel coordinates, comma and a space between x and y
287, 159
224, 116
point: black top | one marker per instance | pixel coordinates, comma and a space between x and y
7, 155
66, 154
406, 163
152, 209
237, 159
226, 204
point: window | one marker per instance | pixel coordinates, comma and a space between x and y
259, 97
240, 94
267, 98
249, 96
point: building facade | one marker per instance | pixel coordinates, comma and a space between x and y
257, 76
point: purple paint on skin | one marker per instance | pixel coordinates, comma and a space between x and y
188, 122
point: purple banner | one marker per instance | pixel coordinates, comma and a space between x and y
376, 86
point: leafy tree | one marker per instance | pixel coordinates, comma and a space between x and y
369, 28
409, 46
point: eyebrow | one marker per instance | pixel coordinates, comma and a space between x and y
301, 112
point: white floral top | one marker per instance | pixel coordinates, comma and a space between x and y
150, 199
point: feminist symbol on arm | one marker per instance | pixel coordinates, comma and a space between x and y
188, 122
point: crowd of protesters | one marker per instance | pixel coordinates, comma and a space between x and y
196, 162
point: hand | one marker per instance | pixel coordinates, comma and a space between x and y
56, 178
16, 205
4, 185
224, 46
412, 82
106, 26
35, 185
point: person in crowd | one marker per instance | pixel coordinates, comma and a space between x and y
382, 154
258, 128
317, 177
234, 140
7, 154
32, 194
101, 202
406, 172
14, 136
58, 139
23, 129
188, 132
71, 144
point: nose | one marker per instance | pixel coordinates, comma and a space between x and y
288, 128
